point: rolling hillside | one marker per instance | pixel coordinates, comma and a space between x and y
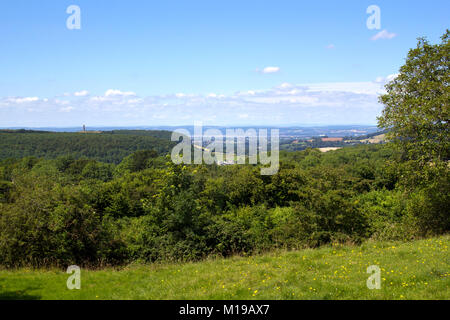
108, 146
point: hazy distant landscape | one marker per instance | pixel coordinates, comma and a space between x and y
285, 132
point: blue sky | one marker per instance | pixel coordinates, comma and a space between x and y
175, 62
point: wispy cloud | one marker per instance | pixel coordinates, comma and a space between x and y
113, 92
386, 79
384, 34
23, 100
330, 46
81, 93
269, 70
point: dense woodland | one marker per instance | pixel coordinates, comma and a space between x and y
66, 210
107, 146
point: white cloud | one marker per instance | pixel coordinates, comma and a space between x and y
384, 34
330, 46
113, 96
99, 99
246, 93
270, 70
392, 76
340, 102
81, 93
23, 100
112, 93
285, 85
387, 79
372, 88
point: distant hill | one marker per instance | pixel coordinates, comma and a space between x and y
295, 132
108, 146
376, 137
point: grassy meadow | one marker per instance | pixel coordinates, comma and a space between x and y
414, 270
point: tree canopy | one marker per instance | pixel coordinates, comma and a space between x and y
417, 103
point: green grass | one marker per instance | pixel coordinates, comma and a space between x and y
413, 270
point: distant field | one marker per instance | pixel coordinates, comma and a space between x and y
376, 139
414, 270
329, 149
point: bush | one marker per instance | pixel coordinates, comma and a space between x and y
54, 225
428, 208
385, 214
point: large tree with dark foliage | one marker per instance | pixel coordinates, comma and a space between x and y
417, 103
416, 114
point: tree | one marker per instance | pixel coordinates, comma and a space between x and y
417, 101
416, 114
137, 161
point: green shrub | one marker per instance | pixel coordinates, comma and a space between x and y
54, 225
385, 212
